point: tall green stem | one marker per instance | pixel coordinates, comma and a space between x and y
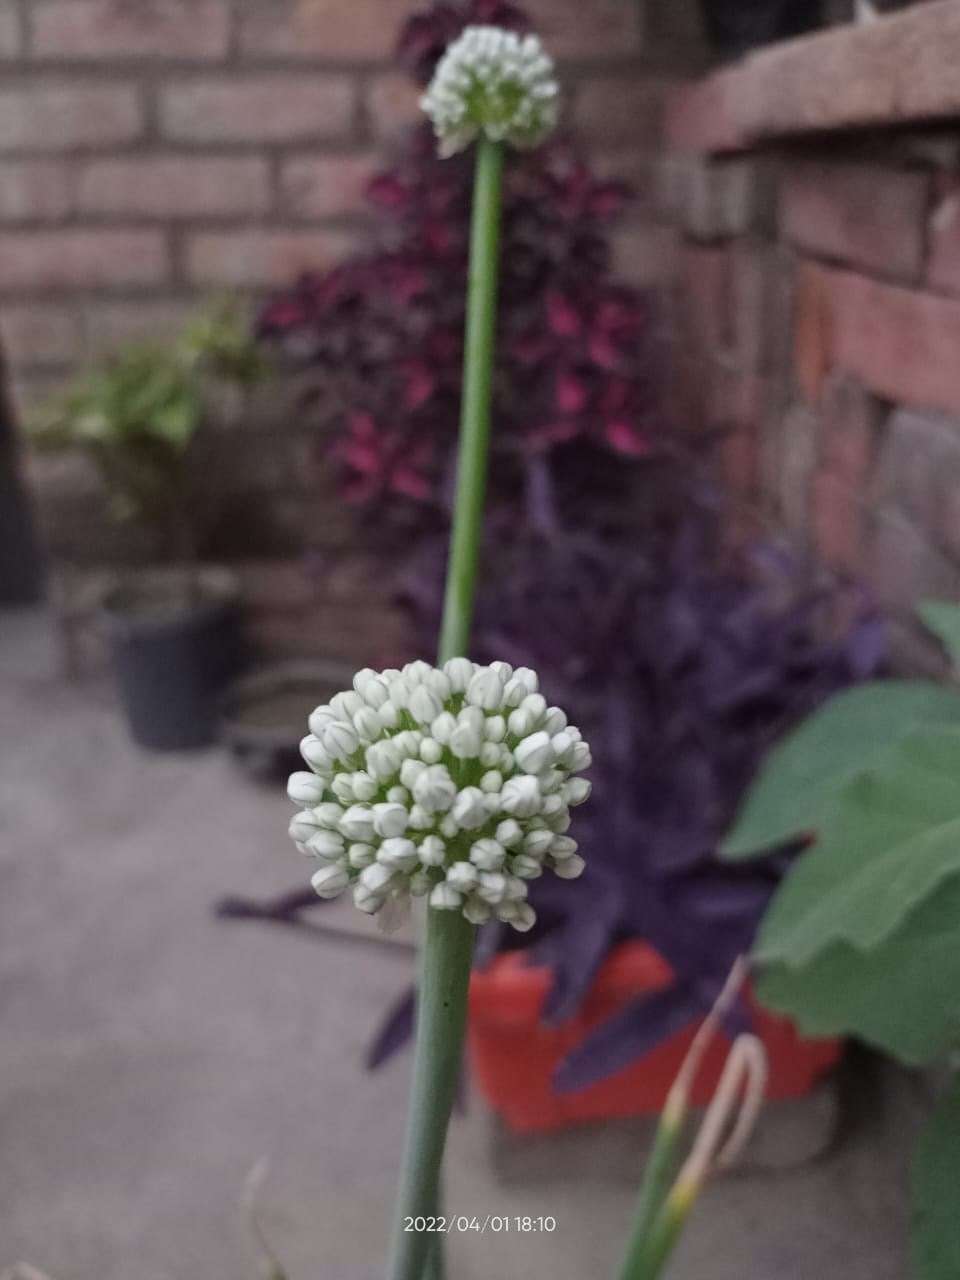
475, 406
448, 940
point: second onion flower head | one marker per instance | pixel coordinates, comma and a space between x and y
454, 783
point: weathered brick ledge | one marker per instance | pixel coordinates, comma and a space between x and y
899, 70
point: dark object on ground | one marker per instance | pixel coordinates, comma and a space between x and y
21, 568
176, 640
264, 714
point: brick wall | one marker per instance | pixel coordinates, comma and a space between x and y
154, 150
819, 306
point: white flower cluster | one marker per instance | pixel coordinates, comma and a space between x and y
493, 82
454, 783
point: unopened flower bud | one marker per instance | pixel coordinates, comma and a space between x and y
476, 910
492, 887
435, 790
487, 854
445, 898
462, 876
303, 826
305, 788
520, 796
340, 740
526, 867
383, 760
357, 822
326, 845
554, 720
509, 833
570, 868
468, 809
346, 704
577, 790
432, 851
430, 751
410, 771
367, 724
329, 881
364, 787
495, 729
537, 843
465, 742
424, 705
361, 855
443, 727
491, 781
342, 787
318, 719
562, 847
389, 819
376, 878
459, 671
485, 690
315, 754
534, 753
398, 854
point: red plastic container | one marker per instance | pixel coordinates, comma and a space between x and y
513, 1055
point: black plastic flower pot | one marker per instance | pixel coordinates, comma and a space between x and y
176, 640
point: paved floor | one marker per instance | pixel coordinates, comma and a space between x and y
151, 1055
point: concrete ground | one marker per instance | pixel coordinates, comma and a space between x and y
151, 1055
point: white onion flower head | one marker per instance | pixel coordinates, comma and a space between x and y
454, 784
497, 84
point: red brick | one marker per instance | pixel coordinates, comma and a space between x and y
256, 257
109, 324
646, 255
393, 104
257, 108
718, 198
904, 567
944, 268
705, 301
325, 186
59, 117
836, 522
702, 116
338, 29
859, 213
174, 186
850, 430
740, 461
81, 259
812, 331
753, 270
34, 191
615, 110
9, 33
99, 29
791, 461
41, 334
600, 29
902, 344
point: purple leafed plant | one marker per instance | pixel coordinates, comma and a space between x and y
682, 671
382, 334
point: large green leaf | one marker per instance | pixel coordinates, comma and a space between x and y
903, 997
943, 620
801, 778
936, 1193
894, 837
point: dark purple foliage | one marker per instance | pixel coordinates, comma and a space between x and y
382, 334
682, 670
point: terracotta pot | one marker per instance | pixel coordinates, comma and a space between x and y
513, 1054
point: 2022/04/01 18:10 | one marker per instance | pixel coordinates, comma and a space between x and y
496, 1223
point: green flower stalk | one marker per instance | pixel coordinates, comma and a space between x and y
451, 782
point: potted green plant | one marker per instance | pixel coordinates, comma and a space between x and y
146, 417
